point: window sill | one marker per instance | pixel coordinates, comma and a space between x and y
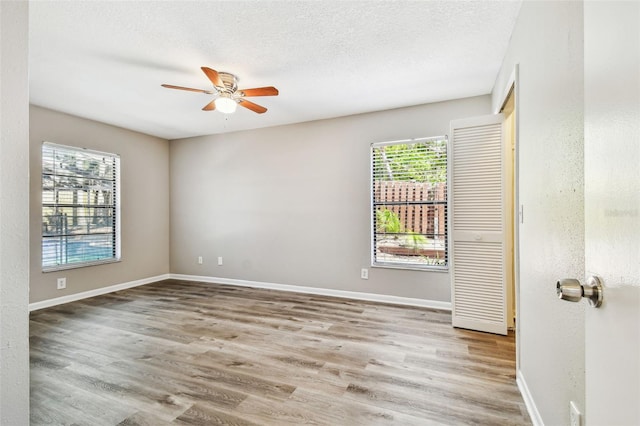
444, 269
78, 265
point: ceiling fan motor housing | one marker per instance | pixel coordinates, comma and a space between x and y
230, 82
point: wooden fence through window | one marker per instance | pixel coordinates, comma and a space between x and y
402, 198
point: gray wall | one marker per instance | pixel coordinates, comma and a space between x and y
14, 203
548, 44
144, 202
290, 204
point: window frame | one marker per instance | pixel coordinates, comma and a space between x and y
372, 209
116, 226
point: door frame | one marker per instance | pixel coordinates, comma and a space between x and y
513, 86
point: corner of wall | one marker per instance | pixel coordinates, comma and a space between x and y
14, 202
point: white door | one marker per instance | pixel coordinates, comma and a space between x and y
612, 210
477, 223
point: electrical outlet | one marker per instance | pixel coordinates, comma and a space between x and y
199, 260
62, 283
219, 260
575, 418
364, 273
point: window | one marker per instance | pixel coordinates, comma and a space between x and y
80, 207
409, 203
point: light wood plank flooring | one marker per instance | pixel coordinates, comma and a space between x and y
179, 353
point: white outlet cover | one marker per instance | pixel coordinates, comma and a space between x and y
61, 283
364, 274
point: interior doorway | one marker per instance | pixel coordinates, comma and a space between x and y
510, 206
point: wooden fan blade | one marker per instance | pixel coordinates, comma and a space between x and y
213, 76
253, 107
259, 91
170, 86
210, 106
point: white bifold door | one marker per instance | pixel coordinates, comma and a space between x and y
477, 224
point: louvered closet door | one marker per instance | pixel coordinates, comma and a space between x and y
477, 225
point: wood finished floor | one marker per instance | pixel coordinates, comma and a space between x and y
185, 353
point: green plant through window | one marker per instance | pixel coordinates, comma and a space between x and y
388, 222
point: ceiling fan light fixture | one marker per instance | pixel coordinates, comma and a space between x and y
225, 104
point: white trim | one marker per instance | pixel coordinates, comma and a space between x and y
511, 83
536, 419
372, 297
428, 268
77, 265
407, 301
97, 292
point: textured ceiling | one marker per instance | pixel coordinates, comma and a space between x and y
106, 60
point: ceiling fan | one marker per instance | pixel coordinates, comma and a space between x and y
225, 86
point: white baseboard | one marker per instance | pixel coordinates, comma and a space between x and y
97, 292
408, 301
536, 419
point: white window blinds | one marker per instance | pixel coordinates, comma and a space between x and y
409, 203
80, 207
